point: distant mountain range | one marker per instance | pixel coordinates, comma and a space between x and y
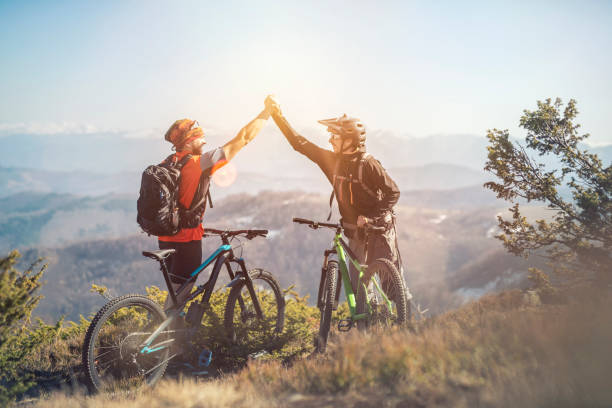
431, 171
269, 154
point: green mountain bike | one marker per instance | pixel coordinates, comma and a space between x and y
131, 339
381, 294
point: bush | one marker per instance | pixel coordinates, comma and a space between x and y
34, 357
296, 339
17, 338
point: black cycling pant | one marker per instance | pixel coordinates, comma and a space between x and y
186, 259
380, 245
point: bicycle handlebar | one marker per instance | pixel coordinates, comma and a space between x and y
249, 234
316, 225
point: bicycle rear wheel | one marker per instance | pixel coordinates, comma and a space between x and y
241, 321
112, 356
329, 295
390, 281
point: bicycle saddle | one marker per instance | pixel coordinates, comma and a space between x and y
160, 254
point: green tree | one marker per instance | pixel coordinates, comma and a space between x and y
578, 238
17, 301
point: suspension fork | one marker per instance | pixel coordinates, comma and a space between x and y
323, 277
249, 284
232, 277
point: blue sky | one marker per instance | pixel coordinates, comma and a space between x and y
415, 68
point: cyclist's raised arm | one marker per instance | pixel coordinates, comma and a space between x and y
245, 135
298, 142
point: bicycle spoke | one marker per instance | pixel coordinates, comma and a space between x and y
107, 364
241, 317
386, 297
103, 354
158, 365
117, 360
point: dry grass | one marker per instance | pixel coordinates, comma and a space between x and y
499, 351
188, 393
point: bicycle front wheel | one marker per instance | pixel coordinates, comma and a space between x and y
112, 357
241, 320
370, 300
329, 297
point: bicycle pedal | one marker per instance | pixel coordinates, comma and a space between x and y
205, 358
345, 325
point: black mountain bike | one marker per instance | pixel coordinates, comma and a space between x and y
131, 340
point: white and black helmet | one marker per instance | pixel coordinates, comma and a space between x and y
347, 127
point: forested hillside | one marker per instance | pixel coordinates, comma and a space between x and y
53, 220
37, 218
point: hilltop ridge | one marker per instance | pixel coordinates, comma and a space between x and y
505, 350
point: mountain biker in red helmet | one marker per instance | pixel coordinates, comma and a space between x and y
365, 192
187, 138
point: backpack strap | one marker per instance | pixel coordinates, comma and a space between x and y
331, 202
172, 161
209, 197
205, 197
360, 175
179, 165
168, 159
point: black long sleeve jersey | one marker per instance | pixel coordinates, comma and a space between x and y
373, 196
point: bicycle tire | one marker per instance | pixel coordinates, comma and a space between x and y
237, 324
91, 361
329, 295
393, 285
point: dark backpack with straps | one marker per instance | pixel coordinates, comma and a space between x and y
338, 180
159, 210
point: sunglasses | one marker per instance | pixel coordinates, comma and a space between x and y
195, 125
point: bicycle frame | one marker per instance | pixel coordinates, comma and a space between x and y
224, 255
344, 253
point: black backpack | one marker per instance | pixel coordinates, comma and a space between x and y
159, 211
350, 179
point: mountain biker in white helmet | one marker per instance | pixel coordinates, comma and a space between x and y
365, 192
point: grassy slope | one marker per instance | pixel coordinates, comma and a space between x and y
499, 351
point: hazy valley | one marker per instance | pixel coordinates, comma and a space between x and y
450, 255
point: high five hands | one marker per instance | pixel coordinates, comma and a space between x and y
272, 105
